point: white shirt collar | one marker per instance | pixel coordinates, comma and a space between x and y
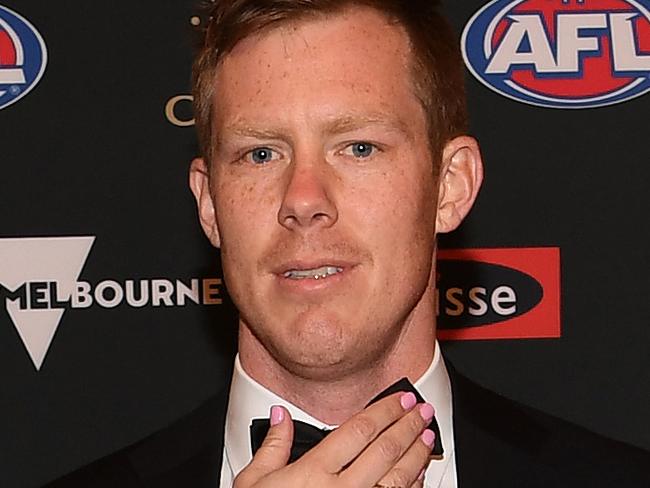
249, 400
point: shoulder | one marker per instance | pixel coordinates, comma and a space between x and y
536, 448
187, 451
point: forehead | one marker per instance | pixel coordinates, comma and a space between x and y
353, 60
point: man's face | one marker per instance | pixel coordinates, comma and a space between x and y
324, 189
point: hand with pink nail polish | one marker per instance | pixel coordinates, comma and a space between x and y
387, 444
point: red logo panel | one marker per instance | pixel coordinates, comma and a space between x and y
505, 293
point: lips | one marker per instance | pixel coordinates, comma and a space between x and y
315, 273
312, 270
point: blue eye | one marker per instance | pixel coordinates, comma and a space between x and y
261, 155
362, 149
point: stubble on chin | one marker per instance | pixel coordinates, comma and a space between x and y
319, 349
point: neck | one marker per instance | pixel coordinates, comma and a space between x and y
337, 398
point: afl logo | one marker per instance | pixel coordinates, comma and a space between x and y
23, 57
561, 53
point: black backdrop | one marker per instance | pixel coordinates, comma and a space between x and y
91, 152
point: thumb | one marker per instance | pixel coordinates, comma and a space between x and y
274, 452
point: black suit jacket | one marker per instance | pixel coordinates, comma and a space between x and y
499, 443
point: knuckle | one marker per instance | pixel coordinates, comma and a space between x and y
390, 449
272, 442
416, 424
398, 478
364, 427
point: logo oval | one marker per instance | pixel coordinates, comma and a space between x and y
475, 293
23, 57
561, 53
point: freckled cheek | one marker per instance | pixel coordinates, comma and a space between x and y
244, 212
395, 222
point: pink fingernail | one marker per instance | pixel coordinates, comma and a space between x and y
277, 415
428, 436
408, 401
426, 411
421, 477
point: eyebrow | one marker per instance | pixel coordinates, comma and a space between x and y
334, 126
248, 131
347, 123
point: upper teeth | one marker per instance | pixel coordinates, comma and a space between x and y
318, 273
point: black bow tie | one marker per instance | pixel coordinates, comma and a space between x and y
306, 436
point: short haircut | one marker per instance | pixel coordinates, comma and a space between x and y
437, 71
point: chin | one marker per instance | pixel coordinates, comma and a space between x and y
322, 349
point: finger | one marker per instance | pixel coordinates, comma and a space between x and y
384, 454
274, 452
418, 484
410, 469
343, 445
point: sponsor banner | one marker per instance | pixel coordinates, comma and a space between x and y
498, 293
562, 54
23, 57
39, 281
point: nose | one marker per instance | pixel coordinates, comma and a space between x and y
307, 202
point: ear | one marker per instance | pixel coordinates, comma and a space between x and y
461, 175
200, 185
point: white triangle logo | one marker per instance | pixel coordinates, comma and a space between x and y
47, 259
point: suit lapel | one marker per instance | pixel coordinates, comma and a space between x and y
495, 438
187, 453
